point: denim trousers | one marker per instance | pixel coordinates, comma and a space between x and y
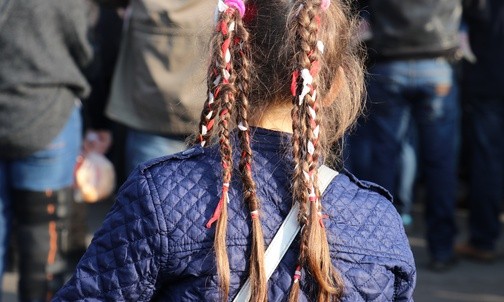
407, 174
422, 94
142, 146
48, 169
485, 116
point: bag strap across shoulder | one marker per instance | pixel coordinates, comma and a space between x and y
285, 235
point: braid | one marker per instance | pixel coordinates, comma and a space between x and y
212, 104
224, 96
299, 186
257, 269
227, 167
314, 250
300, 171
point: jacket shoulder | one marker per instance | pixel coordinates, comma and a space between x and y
364, 220
366, 235
358, 184
181, 175
186, 185
188, 154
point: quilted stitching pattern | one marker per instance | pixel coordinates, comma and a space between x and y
153, 245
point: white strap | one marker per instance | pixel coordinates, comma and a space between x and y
285, 235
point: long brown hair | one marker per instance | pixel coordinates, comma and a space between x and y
278, 52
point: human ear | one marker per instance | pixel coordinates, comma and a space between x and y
338, 86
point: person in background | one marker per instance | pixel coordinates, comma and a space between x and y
105, 37
411, 48
483, 99
194, 225
158, 75
406, 178
102, 135
44, 49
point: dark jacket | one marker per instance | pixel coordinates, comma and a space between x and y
153, 245
412, 28
485, 22
106, 38
43, 48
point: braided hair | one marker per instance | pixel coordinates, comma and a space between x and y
314, 250
269, 53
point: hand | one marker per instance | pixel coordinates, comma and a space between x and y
98, 141
465, 47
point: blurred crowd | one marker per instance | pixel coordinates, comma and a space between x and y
433, 117
125, 80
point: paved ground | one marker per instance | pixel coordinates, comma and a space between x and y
468, 282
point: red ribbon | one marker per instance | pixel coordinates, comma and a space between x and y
295, 76
218, 209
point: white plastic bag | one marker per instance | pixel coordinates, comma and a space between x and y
94, 177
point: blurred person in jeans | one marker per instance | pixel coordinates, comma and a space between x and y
44, 48
411, 46
159, 75
483, 99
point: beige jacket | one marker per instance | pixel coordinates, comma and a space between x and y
159, 83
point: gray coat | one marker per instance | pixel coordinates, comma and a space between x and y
43, 48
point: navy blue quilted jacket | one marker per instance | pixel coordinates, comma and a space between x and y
154, 246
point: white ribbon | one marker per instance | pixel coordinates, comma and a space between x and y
320, 46
241, 127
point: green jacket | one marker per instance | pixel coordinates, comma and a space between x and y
159, 81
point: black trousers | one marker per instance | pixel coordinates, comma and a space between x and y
50, 235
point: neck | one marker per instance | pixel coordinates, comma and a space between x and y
277, 118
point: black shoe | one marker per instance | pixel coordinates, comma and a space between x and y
439, 266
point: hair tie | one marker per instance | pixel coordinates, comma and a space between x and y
297, 274
325, 4
239, 5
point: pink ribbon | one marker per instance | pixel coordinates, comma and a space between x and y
239, 5
325, 4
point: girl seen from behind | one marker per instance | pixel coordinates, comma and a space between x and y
284, 84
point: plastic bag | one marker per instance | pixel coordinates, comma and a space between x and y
94, 177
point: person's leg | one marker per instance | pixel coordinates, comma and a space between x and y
388, 120
42, 198
436, 110
143, 146
4, 218
406, 179
486, 122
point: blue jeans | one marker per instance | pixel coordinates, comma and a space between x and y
142, 146
486, 181
407, 175
425, 91
51, 168
357, 155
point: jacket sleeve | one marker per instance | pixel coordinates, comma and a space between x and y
126, 254
405, 270
405, 281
